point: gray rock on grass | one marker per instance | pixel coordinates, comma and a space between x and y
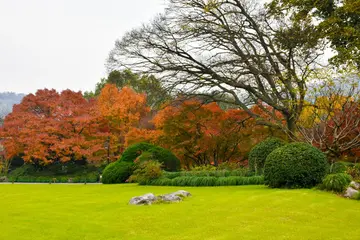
355, 185
169, 198
350, 192
182, 193
150, 198
146, 199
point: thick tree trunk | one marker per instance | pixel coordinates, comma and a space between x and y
291, 128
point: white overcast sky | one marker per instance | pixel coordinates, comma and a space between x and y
63, 44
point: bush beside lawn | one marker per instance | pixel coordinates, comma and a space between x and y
259, 153
295, 165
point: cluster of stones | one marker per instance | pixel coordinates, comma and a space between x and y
150, 198
352, 190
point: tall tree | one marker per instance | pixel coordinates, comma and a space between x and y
204, 133
338, 21
148, 84
119, 111
227, 50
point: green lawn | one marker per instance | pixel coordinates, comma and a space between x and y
95, 212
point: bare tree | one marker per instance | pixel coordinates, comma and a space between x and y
332, 120
226, 50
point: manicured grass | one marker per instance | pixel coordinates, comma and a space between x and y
95, 212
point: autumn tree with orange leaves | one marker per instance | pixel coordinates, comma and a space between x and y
49, 127
53, 127
202, 134
119, 111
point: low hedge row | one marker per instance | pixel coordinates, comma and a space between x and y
91, 178
217, 173
206, 181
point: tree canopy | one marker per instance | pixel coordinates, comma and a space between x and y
230, 51
148, 84
49, 127
338, 21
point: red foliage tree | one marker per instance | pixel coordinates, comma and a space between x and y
48, 127
51, 126
204, 133
118, 112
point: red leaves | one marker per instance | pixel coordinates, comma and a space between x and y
47, 127
51, 126
201, 134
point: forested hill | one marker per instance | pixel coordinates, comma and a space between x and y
7, 100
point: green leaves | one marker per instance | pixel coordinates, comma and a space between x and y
295, 165
336, 182
259, 153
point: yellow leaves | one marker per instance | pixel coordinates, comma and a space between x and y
210, 5
323, 109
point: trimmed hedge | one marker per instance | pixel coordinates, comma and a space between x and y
117, 172
259, 153
206, 181
88, 178
243, 172
168, 159
295, 165
336, 182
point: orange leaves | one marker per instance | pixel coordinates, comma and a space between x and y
119, 111
136, 135
51, 126
205, 134
58, 127
201, 133
123, 109
48, 127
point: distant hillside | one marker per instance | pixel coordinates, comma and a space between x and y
7, 100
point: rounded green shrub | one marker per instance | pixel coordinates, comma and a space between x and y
259, 153
134, 151
146, 151
117, 172
295, 165
336, 182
